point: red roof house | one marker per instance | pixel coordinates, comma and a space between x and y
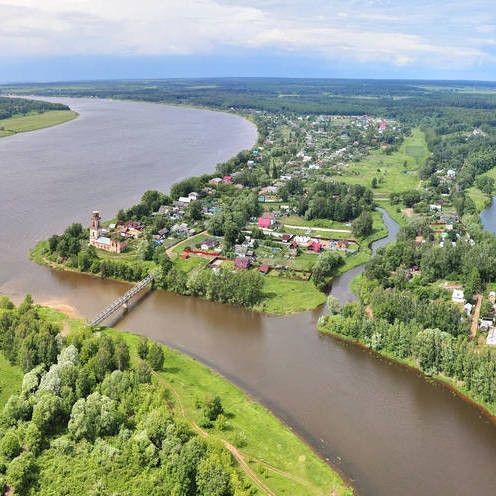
315, 246
268, 219
227, 179
264, 268
242, 263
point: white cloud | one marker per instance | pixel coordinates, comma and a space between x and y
393, 32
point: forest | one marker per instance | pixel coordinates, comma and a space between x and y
85, 396
21, 106
421, 333
407, 100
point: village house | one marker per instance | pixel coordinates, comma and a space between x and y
130, 229
180, 229
267, 220
492, 297
184, 201
485, 324
302, 240
314, 246
209, 244
162, 233
264, 268
242, 263
491, 337
458, 296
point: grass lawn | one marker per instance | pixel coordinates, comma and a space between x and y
390, 169
296, 220
10, 379
284, 296
392, 210
31, 122
189, 242
480, 199
304, 261
188, 264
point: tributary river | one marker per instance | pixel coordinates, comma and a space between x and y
391, 432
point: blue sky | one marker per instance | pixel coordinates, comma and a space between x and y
94, 39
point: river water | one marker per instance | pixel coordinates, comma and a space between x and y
488, 217
390, 431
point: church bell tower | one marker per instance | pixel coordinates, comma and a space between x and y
95, 225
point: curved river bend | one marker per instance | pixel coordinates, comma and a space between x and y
389, 430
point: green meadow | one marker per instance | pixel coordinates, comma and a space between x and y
395, 172
33, 121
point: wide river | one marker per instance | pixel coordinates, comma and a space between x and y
391, 432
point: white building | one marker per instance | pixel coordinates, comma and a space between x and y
458, 296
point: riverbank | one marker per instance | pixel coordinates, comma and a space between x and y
269, 454
35, 121
455, 386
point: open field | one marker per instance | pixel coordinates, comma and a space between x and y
392, 210
10, 379
284, 296
480, 199
295, 220
31, 122
396, 172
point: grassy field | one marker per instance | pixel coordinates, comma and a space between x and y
31, 122
392, 210
480, 199
284, 296
10, 379
396, 172
296, 220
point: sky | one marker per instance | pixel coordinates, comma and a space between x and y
55, 40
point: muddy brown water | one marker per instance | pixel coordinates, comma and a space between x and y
390, 431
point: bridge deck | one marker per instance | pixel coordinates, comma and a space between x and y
116, 304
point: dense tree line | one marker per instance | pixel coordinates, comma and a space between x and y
26, 339
243, 288
20, 106
85, 404
472, 263
434, 351
326, 268
405, 306
68, 245
235, 210
426, 101
335, 201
